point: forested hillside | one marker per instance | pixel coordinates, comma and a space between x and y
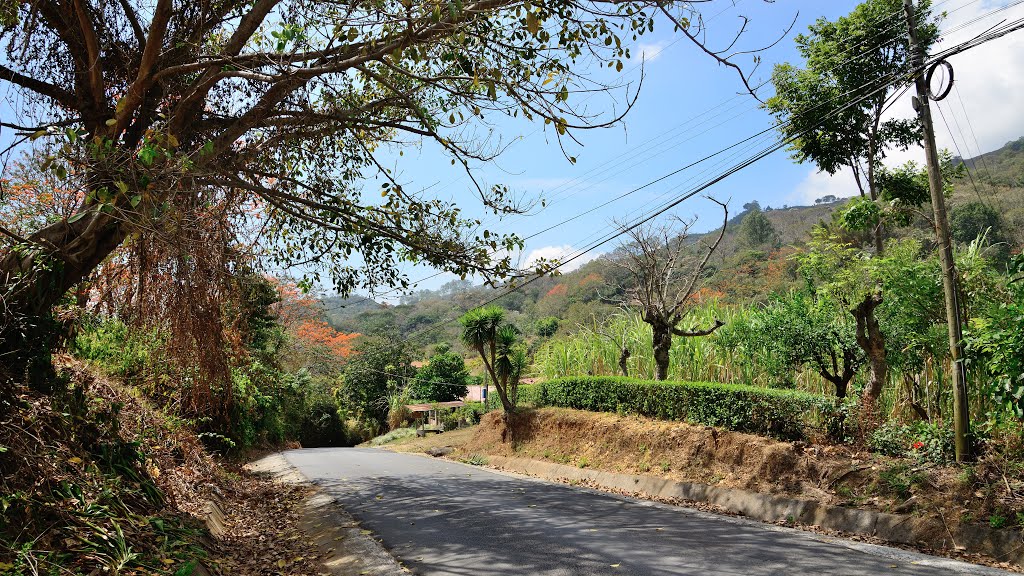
749, 265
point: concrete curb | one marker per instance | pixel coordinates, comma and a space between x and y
1003, 545
213, 516
348, 551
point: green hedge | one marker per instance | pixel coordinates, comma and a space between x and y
786, 414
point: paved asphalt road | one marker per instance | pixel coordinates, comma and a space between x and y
440, 517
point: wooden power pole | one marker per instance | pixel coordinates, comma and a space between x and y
961, 420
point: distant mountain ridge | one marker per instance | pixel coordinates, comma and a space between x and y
742, 272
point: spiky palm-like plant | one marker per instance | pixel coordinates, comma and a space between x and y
497, 343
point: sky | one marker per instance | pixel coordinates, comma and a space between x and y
689, 107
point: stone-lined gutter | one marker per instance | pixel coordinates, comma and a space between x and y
347, 549
1003, 545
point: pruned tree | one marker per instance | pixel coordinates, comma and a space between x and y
666, 269
155, 110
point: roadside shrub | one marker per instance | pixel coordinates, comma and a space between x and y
119, 349
471, 412
785, 414
396, 434
273, 407
451, 420
924, 441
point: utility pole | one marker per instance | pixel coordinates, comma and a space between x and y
961, 420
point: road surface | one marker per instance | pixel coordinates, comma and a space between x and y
444, 518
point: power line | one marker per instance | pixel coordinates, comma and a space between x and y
970, 125
990, 35
641, 221
896, 16
891, 16
981, 39
938, 106
637, 152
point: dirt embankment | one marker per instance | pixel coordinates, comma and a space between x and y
642, 446
96, 480
988, 493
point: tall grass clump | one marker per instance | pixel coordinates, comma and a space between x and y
735, 354
728, 355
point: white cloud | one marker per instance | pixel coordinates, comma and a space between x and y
649, 52
561, 253
989, 79
818, 184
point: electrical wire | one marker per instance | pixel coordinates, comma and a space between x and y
970, 176
848, 60
981, 39
894, 15
974, 135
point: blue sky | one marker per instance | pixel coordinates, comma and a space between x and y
688, 107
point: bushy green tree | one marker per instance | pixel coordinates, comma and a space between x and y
379, 368
861, 55
903, 191
811, 330
980, 221
756, 230
547, 326
971, 220
846, 274
443, 379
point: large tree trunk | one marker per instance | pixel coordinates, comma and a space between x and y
662, 343
871, 340
34, 279
840, 379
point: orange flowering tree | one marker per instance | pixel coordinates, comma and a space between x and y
312, 342
31, 198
